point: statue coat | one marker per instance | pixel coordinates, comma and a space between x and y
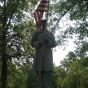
47, 57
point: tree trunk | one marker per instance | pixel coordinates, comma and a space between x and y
4, 72
4, 61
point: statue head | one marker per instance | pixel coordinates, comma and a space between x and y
43, 24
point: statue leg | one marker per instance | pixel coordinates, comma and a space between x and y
40, 79
48, 79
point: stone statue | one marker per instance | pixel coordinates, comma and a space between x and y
43, 60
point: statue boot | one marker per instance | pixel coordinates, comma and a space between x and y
40, 80
48, 79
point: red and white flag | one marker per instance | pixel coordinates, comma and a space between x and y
38, 14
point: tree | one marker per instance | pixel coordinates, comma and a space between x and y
74, 12
58, 76
13, 33
31, 81
68, 60
20, 75
76, 76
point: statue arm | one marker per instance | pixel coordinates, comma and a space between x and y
51, 41
35, 42
38, 39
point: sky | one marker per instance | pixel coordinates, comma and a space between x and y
60, 53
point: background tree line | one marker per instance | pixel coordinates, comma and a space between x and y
16, 53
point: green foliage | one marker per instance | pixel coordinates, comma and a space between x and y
15, 32
16, 27
16, 77
76, 76
20, 75
74, 11
72, 73
58, 76
31, 81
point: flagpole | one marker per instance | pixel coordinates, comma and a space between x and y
47, 15
43, 46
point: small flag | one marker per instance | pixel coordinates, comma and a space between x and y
38, 14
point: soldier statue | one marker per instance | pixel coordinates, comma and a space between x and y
43, 59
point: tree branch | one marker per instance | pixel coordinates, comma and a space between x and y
59, 19
11, 16
74, 3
